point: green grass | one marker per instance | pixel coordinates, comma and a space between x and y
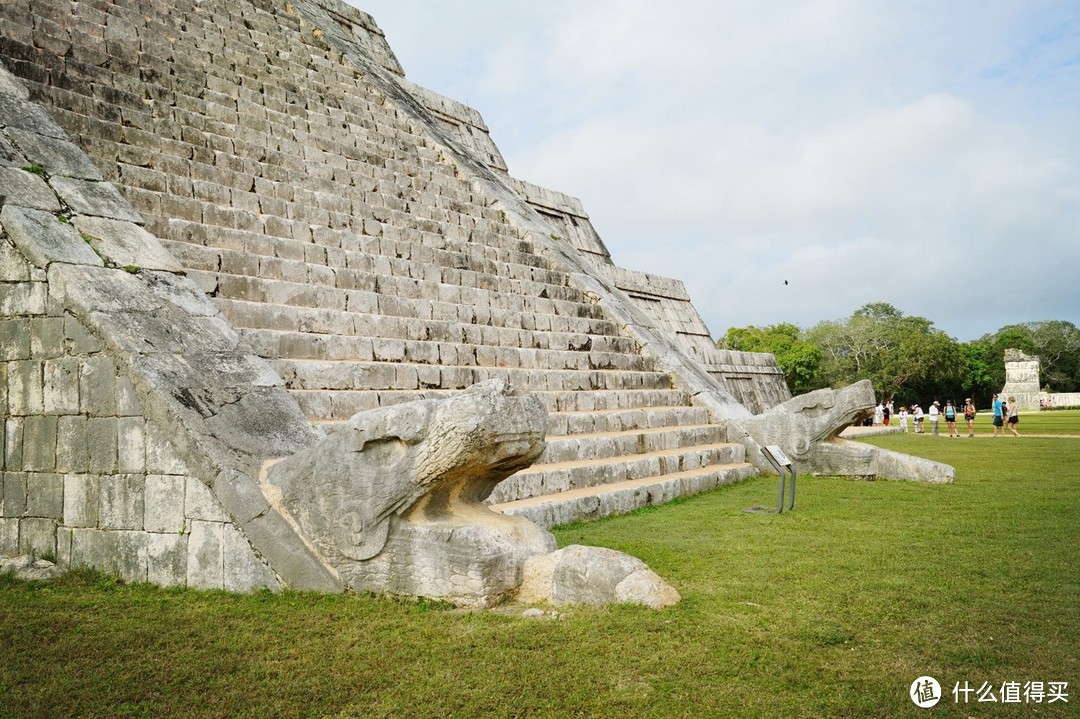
828, 611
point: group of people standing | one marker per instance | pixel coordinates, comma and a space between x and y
1006, 415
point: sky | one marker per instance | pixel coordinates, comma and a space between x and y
920, 153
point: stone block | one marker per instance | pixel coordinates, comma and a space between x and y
164, 503
13, 267
205, 557
37, 536
161, 456
98, 199
25, 388
9, 156
45, 495
124, 244
167, 559
244, 570
79, 340
127, 398
23, 298
26, 189
81, 500
593, 575
47, 337
43, 239
14, 339
101, 444
121, 501
9, 535
58, 157
72, 454
60, 389
97, 386
201, 504
121, 553
14, 495
14, 95
39, 443
63, 546
13, 443
131, 444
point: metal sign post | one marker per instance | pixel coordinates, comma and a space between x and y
779, 461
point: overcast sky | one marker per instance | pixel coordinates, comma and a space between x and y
925, 154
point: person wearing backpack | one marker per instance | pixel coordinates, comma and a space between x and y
950, 419
969, 416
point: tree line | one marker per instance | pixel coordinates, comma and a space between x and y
909, 360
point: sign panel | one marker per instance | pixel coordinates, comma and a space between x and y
776, 453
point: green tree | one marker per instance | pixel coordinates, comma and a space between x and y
979, 377
799, 359
902, 356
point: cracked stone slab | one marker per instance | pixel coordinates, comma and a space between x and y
99, 199
9, 156
126, 244
26, 189
43, 239
20, 113
58, 157
10, 85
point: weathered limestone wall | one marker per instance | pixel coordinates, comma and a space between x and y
87, 478
753, 378
128, 410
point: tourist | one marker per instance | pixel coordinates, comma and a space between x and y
878, 415
917, 411
1014, 416
935, 415
998, 420
950, 419
886, 412
903, 418
969, 416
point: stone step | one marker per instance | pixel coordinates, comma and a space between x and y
628, 417
545, 479
521, 330
614, 410
391, 296
297, 260
448, 245
604, 445
274, 344
351, 375
590, 503
287, 312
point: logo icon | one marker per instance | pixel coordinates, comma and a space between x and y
925, 692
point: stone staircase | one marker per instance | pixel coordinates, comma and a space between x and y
348, 247
619, 435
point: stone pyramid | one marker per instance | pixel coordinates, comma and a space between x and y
228, 227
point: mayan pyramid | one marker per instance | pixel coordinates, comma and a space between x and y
227, 227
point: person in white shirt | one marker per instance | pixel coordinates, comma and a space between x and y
935, 414
918, 419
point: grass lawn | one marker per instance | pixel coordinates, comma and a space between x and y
828, 611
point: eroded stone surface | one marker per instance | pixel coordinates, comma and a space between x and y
393, 500
593, 575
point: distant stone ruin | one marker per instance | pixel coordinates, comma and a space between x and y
1022, 379
1022, 382
245, 265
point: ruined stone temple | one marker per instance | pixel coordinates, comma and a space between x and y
237, 244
